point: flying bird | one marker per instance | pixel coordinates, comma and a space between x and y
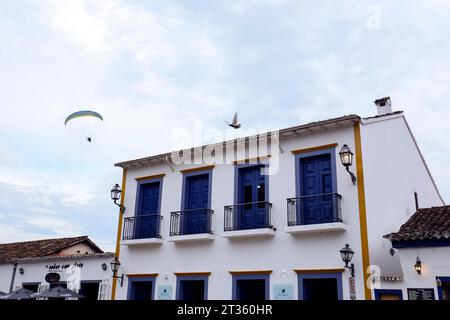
234, 124
89, 139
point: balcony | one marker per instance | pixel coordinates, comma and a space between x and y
315, 213
141, 230
251, 219
191, 225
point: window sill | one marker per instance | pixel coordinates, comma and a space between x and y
142, 242
249, 233
192, 237
320, 227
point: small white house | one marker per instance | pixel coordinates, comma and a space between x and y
74, 263
266, 216
423, 246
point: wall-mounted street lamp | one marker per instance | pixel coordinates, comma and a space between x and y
418, 266
115, 196
104, 266
115, 265
346, 156
21, 270
347, 255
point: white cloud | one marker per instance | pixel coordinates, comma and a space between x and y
58, 226
16, 233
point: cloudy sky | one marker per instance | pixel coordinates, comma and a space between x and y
153, 68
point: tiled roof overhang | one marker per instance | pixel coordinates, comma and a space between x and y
428, 226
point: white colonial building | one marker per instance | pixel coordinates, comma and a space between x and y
265, 217
74, 263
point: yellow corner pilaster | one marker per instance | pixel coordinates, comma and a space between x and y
119, 230
362, 210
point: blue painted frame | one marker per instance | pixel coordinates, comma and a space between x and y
141, 279
238, 167
138, 191
236, 277
379, 292
300, 156
191, 174
303, 276
199, 277
439, 288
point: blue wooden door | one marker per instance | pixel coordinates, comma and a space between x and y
147, 221
252, 190
141, 290
195, 218
317, 205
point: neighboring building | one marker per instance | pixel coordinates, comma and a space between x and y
221, 228
423, 244
75, 263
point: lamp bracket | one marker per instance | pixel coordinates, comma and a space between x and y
122, 207
351, 175
352, 269
119, 278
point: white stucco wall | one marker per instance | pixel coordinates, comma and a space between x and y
283, 252
80, 248
5, 277
393, 171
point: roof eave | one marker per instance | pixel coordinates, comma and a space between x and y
353, 118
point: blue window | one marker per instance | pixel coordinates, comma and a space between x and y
251, 197
251, 287
443, 288
195, 215
192, 288
148, 202
321, 286
317, 199
141, 288
388, 294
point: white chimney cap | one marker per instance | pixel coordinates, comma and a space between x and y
384, 105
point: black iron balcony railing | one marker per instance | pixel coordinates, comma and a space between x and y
142, 227
191, 221
245, 216
314, 209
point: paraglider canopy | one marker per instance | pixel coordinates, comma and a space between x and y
85, 126
83, 113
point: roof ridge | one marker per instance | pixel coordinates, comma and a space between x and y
46, 239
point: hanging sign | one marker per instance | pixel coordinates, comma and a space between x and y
352, 288
52, 277
420, 294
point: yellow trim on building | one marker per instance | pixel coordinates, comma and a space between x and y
138, 275
252, 160
250, 272
119, 230
362, 210
318, 271
192, 273
197, 169
155, 176
323, 147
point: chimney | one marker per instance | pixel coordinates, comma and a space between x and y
384, 105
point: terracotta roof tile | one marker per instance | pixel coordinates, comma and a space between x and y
41, 248
426, 224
